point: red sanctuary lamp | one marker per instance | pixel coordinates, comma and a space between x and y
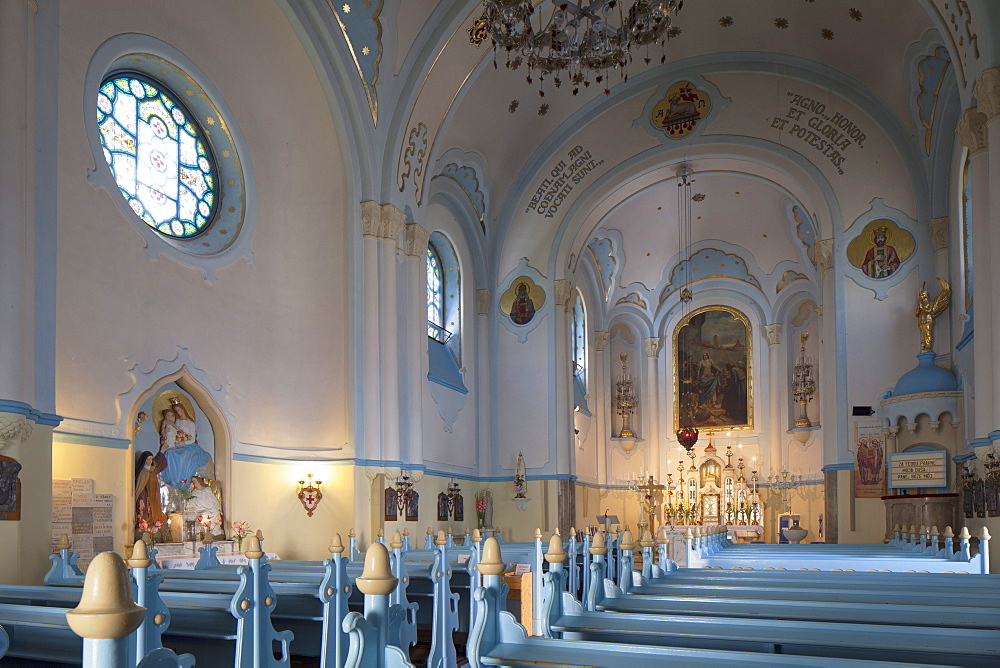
687, 436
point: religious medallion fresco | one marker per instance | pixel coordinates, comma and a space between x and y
522, 300
680, 110
176, 494
880, 249
713, 388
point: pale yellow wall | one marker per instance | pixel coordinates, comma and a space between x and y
25, 544
265, 496
111, 472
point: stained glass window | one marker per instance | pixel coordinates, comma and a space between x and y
159, 157
435, 295
580, 340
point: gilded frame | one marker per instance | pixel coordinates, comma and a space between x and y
706, 425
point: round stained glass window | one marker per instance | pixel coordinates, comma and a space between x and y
160, 159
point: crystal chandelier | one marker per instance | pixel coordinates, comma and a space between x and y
579, 37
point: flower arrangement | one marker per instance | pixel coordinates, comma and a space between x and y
240, 531
208, 522
482, 503
150, 528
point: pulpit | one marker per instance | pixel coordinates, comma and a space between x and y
940, 510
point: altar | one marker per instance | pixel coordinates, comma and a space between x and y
677, 547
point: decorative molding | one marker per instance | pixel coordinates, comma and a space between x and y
601, 341
773, 333
564, 293
382, 221
416, 241
633, 298
706, 263
787, 277
987, 92
939, 233
930, 75
602, 251
412, 159
972, 130
363, 26
483, 301
824, 254
652, 346
805, 230
467, 179
14, 429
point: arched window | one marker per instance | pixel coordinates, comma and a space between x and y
435, 301
580, 341
444, 294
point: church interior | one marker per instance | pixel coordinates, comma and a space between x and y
225, 223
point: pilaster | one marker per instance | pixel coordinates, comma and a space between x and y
777, 381
651, 346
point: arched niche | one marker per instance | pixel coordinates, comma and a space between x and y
214, 435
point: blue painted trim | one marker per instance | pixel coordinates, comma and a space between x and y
261, 459
836, 467
36, 416
71, 438
961, 459
993, 435
967, 336
980, 442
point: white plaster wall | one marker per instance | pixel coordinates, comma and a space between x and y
273, 332
523, 396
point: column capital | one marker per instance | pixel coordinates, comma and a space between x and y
824, 254
987, 92
773, 333
972, 130
416, 241
601, 340
652, 346
381, 221
14, 429
939, 233
564, 293
483, 301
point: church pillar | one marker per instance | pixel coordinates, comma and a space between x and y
600, 404
413, 336
835, 444
382, 225
29, 32
484, 298
776, 380
985, 170
653, 454
563, 349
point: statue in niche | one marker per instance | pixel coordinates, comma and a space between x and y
10, 489
179, 445
148, 505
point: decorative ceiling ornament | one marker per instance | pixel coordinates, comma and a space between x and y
578, 38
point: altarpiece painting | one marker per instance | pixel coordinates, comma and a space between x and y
713, 385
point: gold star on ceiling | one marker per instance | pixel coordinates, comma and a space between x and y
368, 3
232, 209
365, 51
189, 92
163, 73
225, 154
137, 61
231, 182
210, 120
347, 9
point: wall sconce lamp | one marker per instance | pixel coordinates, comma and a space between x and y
310, 495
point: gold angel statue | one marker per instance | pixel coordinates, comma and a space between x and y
927, 311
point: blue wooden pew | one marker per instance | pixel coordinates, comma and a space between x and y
565, 618
497, 639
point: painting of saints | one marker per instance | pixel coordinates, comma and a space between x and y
881, 260
179, 445
148, 506
412, 506
523, 309
442, 507
712, 361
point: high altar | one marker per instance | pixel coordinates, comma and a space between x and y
714, 493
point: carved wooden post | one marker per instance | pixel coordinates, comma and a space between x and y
553, 585
106, 615
334, 592
595, 591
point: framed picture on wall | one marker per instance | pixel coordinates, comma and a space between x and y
713, 383
390, 504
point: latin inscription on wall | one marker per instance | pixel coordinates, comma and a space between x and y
563, 177
829, 133
918, 469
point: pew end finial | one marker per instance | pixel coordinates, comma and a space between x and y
140, 556
397, 541
376, 579
598, 547
477, 537
106, 610
253, 547
63, 543
491, 563
984, 534
441, 539
556, 553
336, 544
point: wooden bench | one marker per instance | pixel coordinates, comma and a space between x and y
497, 639
565, 618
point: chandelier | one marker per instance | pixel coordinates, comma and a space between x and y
579, 37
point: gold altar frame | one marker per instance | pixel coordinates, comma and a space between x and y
748, 343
